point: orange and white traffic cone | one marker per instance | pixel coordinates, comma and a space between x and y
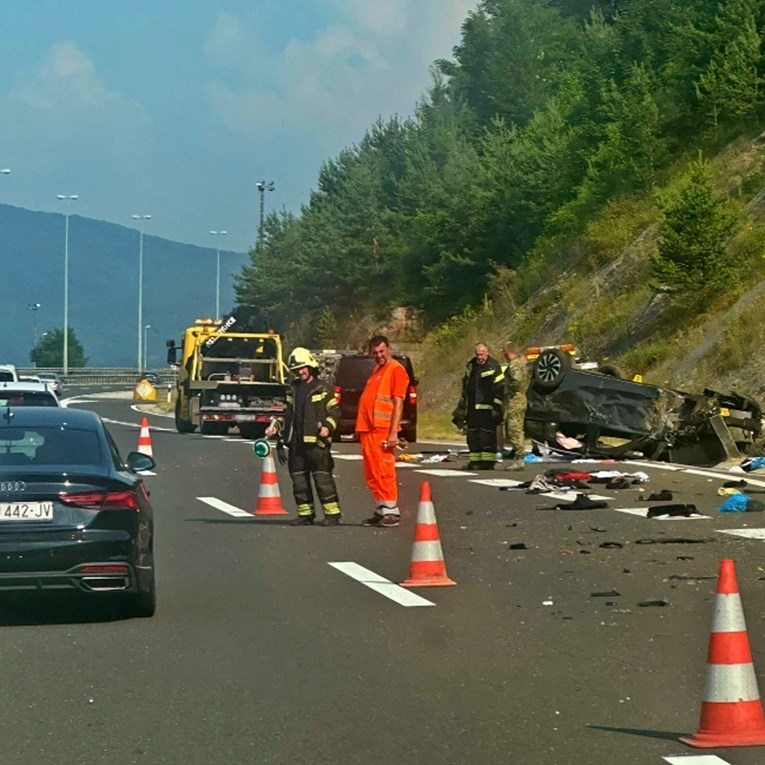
144, 439
731, 711
427, 568
269, 498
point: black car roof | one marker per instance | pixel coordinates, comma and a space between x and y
49, 415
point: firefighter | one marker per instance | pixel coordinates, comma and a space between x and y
377, 424
516, 382
309, 421
480, 407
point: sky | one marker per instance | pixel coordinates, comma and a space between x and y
176, 109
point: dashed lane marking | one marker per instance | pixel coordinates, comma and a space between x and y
219, 504
695, 759
354, 457
443, 472
640, 512
499, 483
746, 533
381, 585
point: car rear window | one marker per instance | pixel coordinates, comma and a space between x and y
6, 376
27, 398
49, 447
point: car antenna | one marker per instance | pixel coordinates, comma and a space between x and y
9, 415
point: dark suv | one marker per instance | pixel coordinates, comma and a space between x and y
350, 376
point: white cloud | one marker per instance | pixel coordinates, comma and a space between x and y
374, 61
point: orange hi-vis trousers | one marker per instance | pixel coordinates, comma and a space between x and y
380, 471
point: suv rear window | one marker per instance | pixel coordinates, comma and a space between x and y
6, 376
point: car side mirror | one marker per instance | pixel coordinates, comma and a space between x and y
170, 351
139, 461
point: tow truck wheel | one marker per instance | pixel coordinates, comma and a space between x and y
550, 369
181, 425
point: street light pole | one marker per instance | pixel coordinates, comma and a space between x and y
263, 187
145, 330
66, 199
217, 272
141, 219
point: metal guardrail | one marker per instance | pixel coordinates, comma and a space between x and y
100, 375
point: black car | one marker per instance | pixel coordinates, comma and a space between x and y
150, 377
350, 375
614, 417
73, 515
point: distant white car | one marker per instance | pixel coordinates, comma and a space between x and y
53, 380
29, 378
27, 394
8, 372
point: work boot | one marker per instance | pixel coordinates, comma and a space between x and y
389, 521
331, 520
373, 521
515, 465
472, 466
302, 520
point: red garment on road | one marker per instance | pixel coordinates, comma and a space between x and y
375, 406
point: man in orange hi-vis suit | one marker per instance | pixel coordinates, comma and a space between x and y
377, 424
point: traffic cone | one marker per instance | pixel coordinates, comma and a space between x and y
144, 439
269, 498
731, 711
427, 568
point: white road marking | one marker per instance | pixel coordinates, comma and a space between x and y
695, 759
641, 513
219, 504
727, 476
746, 533
658, 465
570, 496
498, 482
442, 472
381, 585
355, 457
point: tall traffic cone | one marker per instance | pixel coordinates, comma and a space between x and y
731, 712
269, 498
427, 568
144, 439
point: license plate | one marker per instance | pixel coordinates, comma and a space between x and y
26, 511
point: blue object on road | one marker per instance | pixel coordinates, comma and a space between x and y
737, 503
753, 463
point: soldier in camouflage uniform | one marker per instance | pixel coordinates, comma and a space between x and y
516, 382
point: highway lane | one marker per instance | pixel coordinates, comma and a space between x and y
262, 650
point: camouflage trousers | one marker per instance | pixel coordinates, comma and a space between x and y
515, 414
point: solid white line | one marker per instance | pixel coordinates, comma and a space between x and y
695, 759
727, 476
658, 465
219, 504
381, 585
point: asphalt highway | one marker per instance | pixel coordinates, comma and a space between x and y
263, 651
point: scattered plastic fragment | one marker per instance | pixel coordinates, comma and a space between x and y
653, 602
611, 545
609, 594
517, 546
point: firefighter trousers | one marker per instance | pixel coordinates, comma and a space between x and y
306, 462
482, 438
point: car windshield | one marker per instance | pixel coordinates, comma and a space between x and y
48, 446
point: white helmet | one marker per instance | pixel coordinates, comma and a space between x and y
301, 357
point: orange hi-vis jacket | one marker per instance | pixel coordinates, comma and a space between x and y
376, 402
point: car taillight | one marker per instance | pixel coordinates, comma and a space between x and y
412, 395
108, 568
338, 391
101, 500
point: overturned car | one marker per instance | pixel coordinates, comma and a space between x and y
613, 417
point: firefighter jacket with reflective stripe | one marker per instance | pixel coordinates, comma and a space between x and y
321, 410
483, 387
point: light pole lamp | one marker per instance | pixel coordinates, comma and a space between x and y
66, 199
5, 171
141, 219
263, 187
34, 308
146, 328
217, 271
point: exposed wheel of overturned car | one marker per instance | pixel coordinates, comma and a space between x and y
549, 369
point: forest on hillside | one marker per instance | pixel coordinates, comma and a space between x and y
548, 111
